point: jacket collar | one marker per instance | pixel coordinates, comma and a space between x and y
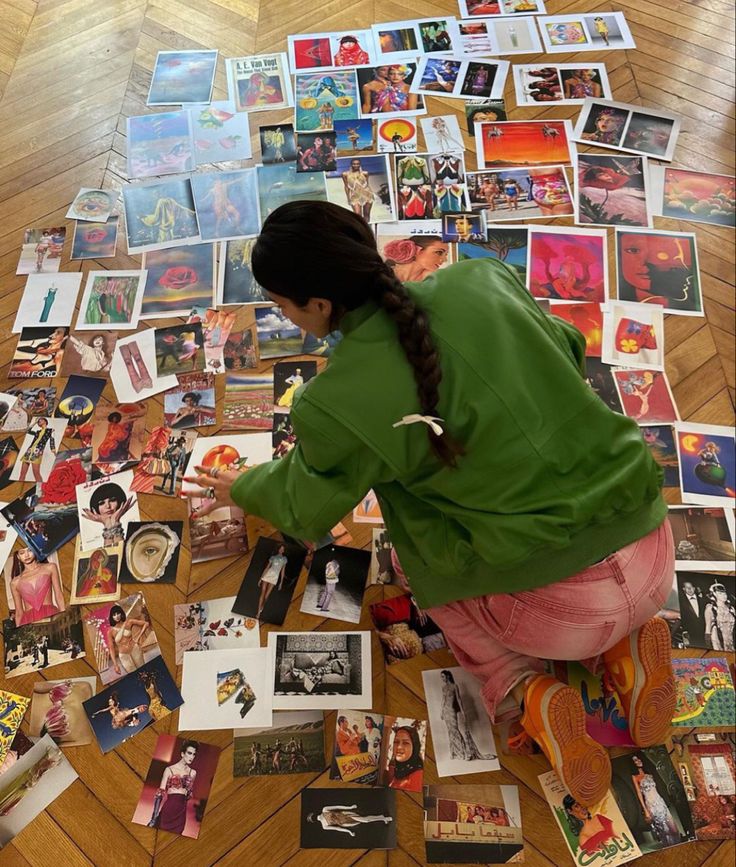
354, 318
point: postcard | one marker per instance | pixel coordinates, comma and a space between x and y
514, 194
192, 402
463, 79
30, 785
24, 575
707, 464
385, 91
126, 707
24, 403
56, 710
697, 608
95, 575
38, 449
111, 300
41, 250
704, 537
280, 183
518, 143
633, 336
404, 629
363, 185
259, 82
47, 301
480, 8
700, 197
151, 552
160, 144
162, 463
367, 822
96, 241
323, 99
602, 31
326, 670
35, 647
336, 583
227, 204
179, 349
355, 137
227, 452
92, 205
220, 133
270, 581
178, 279
333, 50
133, 370
587, 317
660, 440
248, 402
461, 730
489, 36
397, 135
705, 762
278, 144
212, 625
472, 824
220, 533
181, 77
611, 191
160, 214
646, 396
105, 509
293, 744
568, 264
442, 134
630, 128
413, 248
223, 689
278, 337
315, 152
590, 831
563, 84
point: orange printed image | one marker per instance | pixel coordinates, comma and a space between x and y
522, 143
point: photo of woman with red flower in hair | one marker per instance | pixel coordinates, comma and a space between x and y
416, 257
178, 279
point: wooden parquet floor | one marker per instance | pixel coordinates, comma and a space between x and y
71, 71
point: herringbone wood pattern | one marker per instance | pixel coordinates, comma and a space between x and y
71, 71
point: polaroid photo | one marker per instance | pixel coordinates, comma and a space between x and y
442, 134
227, 204
327, 670
336, 583
30, 785
248, 401
177, 280
611, 191
151, 552
212, 624
47, 301
363, 185
95, 575
236, 284
56, 710
77, 405
367, 822
220, 133
461, 731
481, 8
92, 205
563, 84
354, 137
41, 250
707, 459
181, 77
223, 689
568, 263
280, 183
105, 509
293, 744
699, 197
516, 193
704, 687
35, 647
38, 449
530, 143
160, 214
633, 129
278, 337
694, 610
659, 267
646, 396
192, 402
96, 241
227, 452
413, 248
633, 336
462, 79
505, 36
334, 50
111, 301
133, 370
160, 144
323, 99
12, 710
385, 93
600, 31
704, 537
259, 82
270, 581
404, 630
126, 707
25, 578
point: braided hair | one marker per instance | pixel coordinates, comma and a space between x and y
320, 250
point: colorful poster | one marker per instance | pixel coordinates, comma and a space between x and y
568, 264
323, 99
707, 461
705, 693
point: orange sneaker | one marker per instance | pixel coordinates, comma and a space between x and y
555, 717
640, 667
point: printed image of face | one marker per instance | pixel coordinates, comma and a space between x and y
189, 755
634, 262
402, 746
108, 507
148, 552
432, 257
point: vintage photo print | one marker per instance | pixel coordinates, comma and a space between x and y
503, 36
293, 744
413, 249
89, 353
315, 152
227, 204
160, 144
323, 99
646, 396
355, 137
700, 609
704, 537
24, 403
92, 205
404, 629
326, 670
47, 301
160, 214
39, 352
386, 91
359, 738
368, 820
41, 250
46, 521
523, 142
259, 82
278, 144
270, 580
212, 625
179, 349
633, 336
178, 280
96, 241
700, 197
35, 647
95, 575
568, 264
562, 84
363, 185
151, 552
77, 405
56, 710
221, 133
336, 583
463, 79
111, 301
288, 376
611, 191
161, 468
133, 369
629, 128
220, 533
181, 77
707, 464
192, 402
105, 509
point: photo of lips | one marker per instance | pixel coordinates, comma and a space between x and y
96, 241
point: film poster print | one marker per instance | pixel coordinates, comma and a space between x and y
700, 197
611, 191
331, 50
135, 701
362, 185
30, 784
192, 402
336, 583
38, 450
105, 508
472, 824
224, 689
181, 77
95, 575
704, 692
212, 625
41, 250
39, 352
294, 744
632, 128
160, 144
259, 82
57, 710
248, 403
178, 280
404, 629
597, 834
323, 99
47, 301
593, 32
706, 763
159, 214
227, 204
270, 580
386, 90
703, 536
164, 456
151, 552
96, 241
659, 268
520, 143
348, 819
237, 285
651, 799
92, 205
221, 133
515, 194
177, 786
35, 647
633, 336
328, 670
111, 300
568, 264
707, 464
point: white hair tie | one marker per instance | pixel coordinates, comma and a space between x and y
426, 419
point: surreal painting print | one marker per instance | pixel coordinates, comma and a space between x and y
177, 280
611, 191
323, 99
646, 396
111, 299
160, 144
236, 284
700, 197
92, 205
620, 126
160, 214
95, 240
279, 183
181, 77
227, 204
220, 133
277, 335
568, 264
707, 464
523, 143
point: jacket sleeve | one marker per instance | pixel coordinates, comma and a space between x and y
571, 339
313, 487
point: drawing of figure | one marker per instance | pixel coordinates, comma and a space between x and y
358, 190
343, 818
48, 303
445, 139
609, 124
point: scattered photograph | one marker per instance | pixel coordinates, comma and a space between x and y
111, 300
463, 227
133, 369
212, 625
221, 133
502, 36
646, 396
192, 402
397, 135
293, 744
24, 403
227, 452
91, 205
470, 8
95, 575
355, 137
278, 144
564, 84
160, 144
45, 520
633, 336
77, 404
363, 185
97, 241
259, 82
705, 693
39, 352
159, 214
704, 537
404, 629
220, 533
38, 450
464, 79
336, 583
368, 822
179, 349
700, 610
660, 441
181, 77
33, 587
162, 463
105, 509
478, 110
323, 99
381, 570
35, 647
151, 552
413, 249
333, 50
315, 152
236, 282
177, 280
288, 376
514, 194
579, 32
700, 197
629, 128
270, 581
520, 143
248, 402
386, 90
41, 250
611, 191
707, 464
278, 337
568, 264
508, 244
227, 204
47, 301
280, 183
56, 710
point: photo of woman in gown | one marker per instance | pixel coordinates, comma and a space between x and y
172, 797
272, 576
35, 588
462, 744
720, 619
125, 644
655, 809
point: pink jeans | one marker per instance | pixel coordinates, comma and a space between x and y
502, 638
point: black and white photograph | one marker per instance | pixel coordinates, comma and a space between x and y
705, 612
270, 581
336, 583
348, 819
382, 568
704, 538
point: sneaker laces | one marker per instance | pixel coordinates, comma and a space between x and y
517, 742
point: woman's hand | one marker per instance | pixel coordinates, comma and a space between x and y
215, 488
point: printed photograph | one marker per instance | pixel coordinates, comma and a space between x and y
179, 349
381, 569
516, 194
212, 625
404, 629
105, 509
288, 376
336, 583
278, 144
704, 537
279, 183
358, 743
38, 450
611, 191
33, 587
192, 402
162, 463
699, 197
43, 524
315, 152
39, 352
330, 50
701, 610
133, 369
323, 99
368, 820
259, 82
587, 317
294, 744
41, 250
151, 552
414, 250
92, 206
56, 710
660, 441
355, 137
236, 282
270, 581
248, 402
633, 336
362, 185
77, 406
396, 135
111, 299
181, 77
228, 452
26, 402
508, 244
277, 336
89, 354
221, 133
35, 647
